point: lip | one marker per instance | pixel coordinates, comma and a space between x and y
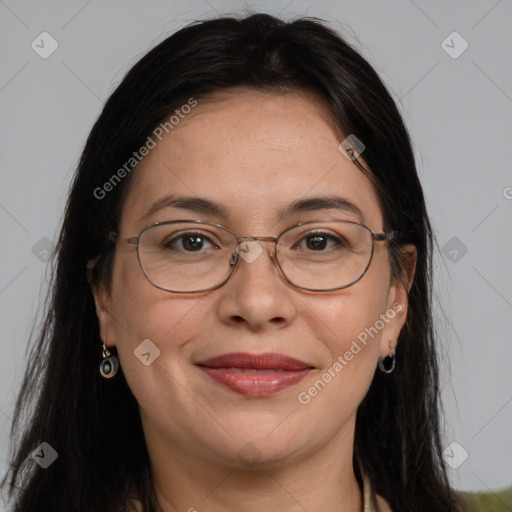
255, 375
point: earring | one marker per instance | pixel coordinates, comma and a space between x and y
387, 364
109, 364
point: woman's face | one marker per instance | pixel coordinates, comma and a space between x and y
254, 153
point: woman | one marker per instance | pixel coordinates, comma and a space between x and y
246, 255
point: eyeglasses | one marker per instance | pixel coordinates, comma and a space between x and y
190, 256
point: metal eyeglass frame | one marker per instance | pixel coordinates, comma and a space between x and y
134, 240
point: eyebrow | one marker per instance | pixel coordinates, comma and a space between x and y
321, 203
207, 206
195, 203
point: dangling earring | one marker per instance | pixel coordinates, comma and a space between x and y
109, 364
387, 364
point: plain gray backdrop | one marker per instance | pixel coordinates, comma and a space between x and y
447, 64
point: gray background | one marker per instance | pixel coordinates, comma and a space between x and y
457, 109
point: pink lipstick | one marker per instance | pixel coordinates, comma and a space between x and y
255, 374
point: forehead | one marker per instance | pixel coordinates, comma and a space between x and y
253, 152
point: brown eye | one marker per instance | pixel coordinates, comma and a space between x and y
316, 242
188, 242
192, 243
320, 241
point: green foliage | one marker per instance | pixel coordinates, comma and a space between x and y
492, 501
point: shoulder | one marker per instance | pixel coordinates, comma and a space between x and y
136, 506
382, 504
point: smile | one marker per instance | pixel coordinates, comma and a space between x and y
255, 375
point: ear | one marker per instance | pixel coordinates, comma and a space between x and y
102, 303
397, 301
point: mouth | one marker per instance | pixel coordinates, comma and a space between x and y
255, 375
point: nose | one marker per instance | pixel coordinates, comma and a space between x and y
249, 248
256, 293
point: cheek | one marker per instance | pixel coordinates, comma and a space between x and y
349, 326
350, 350
345, 317
350, 330
146, 319
152, 329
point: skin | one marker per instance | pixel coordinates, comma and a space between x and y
254, 152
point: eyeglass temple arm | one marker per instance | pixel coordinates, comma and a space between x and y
382, 237
114, 238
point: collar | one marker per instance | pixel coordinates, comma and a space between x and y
368, 501
372, 502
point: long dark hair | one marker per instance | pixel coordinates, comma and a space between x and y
94, 423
